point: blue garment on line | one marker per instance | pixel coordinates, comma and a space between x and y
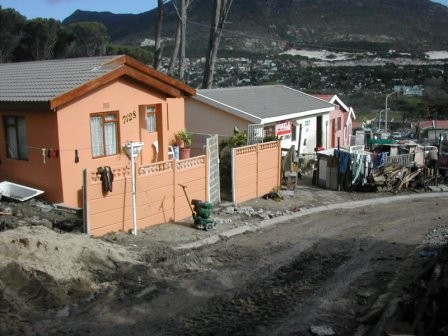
344, 160
382, 158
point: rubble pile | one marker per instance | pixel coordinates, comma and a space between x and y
437, 237
396, 177
246, 213
423, 308
35, 212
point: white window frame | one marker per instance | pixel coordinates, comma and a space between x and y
105, 137
151, 118
16, 138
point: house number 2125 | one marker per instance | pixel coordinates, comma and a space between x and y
128, 117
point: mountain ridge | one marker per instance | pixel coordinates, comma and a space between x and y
272, 26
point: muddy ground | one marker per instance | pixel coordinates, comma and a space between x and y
372, 270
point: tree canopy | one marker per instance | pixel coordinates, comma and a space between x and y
43, 39
11, 26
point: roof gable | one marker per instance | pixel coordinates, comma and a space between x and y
430, 124
60, 81
263, 104
334, 99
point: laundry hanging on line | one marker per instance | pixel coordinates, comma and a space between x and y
345, 159
107, 178
49, 153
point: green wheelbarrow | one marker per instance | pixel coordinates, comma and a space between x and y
201, 212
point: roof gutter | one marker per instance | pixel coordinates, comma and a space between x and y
299, 115
20, 106
227, 108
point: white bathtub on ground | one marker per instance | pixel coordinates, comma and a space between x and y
18, 192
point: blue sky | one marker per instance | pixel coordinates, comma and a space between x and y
60, 9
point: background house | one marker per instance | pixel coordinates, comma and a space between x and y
60, 117
340, 125
270, 110
430, 131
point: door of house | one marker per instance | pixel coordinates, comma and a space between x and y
150, 131
333, 134
319, 131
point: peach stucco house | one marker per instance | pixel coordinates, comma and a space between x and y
340, 124
276, 110
60, 117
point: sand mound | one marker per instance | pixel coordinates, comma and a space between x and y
41, 269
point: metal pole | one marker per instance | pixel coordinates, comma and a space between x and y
385, 124
379, 120
438, 151
339, 165
387, 97
134, 211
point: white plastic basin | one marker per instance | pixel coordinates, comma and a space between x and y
18, 192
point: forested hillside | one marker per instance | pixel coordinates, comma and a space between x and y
269, 26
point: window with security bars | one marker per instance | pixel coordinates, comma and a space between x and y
16, 140
151, 119
104, 133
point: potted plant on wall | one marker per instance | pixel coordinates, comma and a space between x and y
183, 138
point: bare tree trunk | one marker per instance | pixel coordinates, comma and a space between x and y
45, 42
175, 50
158, 39
221, 9
183, 38
180, 38
49, 45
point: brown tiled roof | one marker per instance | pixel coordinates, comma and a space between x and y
439, 124
59, 81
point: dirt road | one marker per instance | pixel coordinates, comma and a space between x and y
343, 272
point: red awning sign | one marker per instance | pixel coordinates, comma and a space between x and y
283, 128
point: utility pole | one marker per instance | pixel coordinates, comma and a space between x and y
387, 97
436, 173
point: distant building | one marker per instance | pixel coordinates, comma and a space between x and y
339, 129
294, 117
415, 91
431, 130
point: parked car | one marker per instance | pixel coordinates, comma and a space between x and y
396, 135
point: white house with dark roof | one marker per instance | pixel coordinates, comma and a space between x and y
279, 110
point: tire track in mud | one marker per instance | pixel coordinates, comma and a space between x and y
262, 302
329, 269
379, 270
278, 283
